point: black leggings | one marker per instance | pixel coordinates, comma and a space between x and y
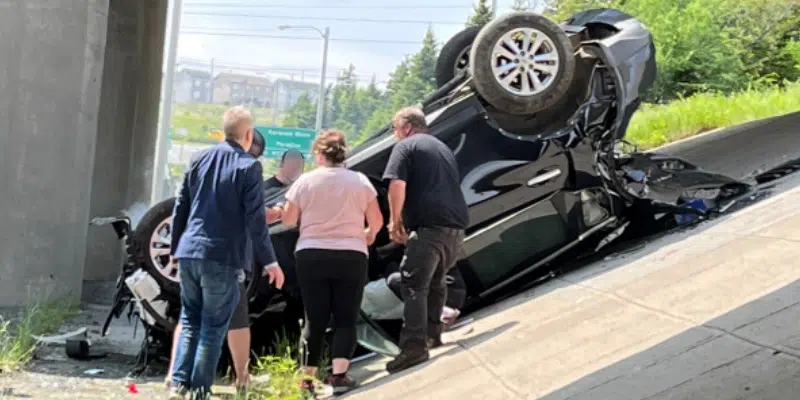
332, 283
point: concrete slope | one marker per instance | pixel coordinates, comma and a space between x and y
712, 312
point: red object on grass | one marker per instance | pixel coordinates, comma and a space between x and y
132, 388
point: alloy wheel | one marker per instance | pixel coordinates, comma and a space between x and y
525, 61
160, 246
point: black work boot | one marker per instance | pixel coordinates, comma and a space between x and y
434, 335
407, 359
434, 342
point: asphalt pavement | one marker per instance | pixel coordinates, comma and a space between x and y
712, 312
744, 150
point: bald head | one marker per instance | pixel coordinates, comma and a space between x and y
408, 121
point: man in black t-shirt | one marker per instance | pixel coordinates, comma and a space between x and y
425, 199
291, 167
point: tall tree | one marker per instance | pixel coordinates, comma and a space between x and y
417, 77
482, 14
766, 29
397, 77
302, 114
341, 92
423, 64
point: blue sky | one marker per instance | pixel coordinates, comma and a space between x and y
279, 56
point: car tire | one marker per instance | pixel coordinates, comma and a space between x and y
454, 56
158, 217
514, 90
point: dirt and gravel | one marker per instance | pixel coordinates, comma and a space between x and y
52, 375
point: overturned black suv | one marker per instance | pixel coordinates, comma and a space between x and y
536, 113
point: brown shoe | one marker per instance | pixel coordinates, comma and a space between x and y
407, 359
341, 383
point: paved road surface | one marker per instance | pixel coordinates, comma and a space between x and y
739, 151
709, 313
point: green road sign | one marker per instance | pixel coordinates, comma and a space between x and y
280, 139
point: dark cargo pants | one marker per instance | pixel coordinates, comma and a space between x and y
430, 253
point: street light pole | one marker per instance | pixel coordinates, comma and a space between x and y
321, 94
326, 35
162, 143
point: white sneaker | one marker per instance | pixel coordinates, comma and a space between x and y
177, 393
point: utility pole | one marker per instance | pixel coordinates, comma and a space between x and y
321, 95
275, 88
326, 35
211, 83
162, 143
494, 8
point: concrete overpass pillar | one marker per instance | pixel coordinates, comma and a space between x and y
127, 124
50, 75
77, 128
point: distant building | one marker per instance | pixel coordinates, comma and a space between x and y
192, 86
288, 91
240, 89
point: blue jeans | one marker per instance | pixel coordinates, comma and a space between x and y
209, 294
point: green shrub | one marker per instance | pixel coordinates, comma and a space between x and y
656, 125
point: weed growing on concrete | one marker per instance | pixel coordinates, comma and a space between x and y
278, 376
17, 344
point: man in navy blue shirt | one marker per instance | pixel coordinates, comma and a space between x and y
220, 208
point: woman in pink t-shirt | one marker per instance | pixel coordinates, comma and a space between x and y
332, 203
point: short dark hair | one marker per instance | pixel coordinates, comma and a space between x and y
292, 152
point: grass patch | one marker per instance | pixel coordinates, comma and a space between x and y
282, 377
656, 125
278, 376
199, 120
16, 343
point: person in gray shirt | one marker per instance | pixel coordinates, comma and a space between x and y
428, 213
